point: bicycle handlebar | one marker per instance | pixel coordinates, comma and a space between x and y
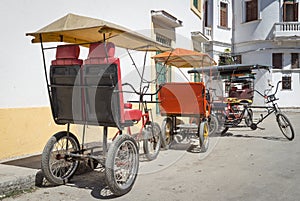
277, 87
145, 88
271, 97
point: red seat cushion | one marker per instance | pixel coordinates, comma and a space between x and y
132, 115
100, 60
127, 105
67, 55
101, 53
66, 62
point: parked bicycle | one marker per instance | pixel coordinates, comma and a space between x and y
234, 114
150, 132
282, 120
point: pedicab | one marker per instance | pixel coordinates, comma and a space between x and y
89, 92
235, 110
185, 99
238, 85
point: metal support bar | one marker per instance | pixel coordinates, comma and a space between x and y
100, 159
46, 76
265, 116
104, 140
83, 136
68, 136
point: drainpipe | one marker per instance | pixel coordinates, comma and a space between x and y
233, 28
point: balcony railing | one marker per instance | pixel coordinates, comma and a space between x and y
286, 29
208, 32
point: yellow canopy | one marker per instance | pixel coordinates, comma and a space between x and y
183, 58
80, 29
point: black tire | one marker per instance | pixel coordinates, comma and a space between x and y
152, 141
167, 132
122, 164
249, 118
56, 165
285, 126
213, 125
203, 131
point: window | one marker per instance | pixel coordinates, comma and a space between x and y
290, 11
162, 73
206, 13
295, 60
251, 10
277, 60
196, 4
161, 70
196, 7
223, 14
237, 59
286, 82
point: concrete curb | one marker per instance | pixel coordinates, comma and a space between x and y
13, 178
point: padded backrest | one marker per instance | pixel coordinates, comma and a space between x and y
105, 102
101, 53
184, 98
67, 55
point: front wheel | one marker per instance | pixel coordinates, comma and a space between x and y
285, 126
57, 164
167, 132
203, 131
122, 164
152, 141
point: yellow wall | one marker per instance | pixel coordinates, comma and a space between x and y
25, 131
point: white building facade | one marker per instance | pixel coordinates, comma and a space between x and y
263, 32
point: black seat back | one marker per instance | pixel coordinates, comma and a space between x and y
65, 79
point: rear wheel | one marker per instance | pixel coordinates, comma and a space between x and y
152, 141
57, 165
122, 164
249, 118
213, 125
285, 126
203, 131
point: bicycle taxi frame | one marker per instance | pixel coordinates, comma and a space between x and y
89, 92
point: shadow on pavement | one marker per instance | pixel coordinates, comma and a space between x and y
272, 138
33, 162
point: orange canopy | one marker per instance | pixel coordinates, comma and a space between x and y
183, 58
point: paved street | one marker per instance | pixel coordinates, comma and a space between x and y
244, 165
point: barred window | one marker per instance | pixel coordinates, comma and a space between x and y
286, 82
238, 59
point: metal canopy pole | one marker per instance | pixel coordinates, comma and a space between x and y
46, 76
